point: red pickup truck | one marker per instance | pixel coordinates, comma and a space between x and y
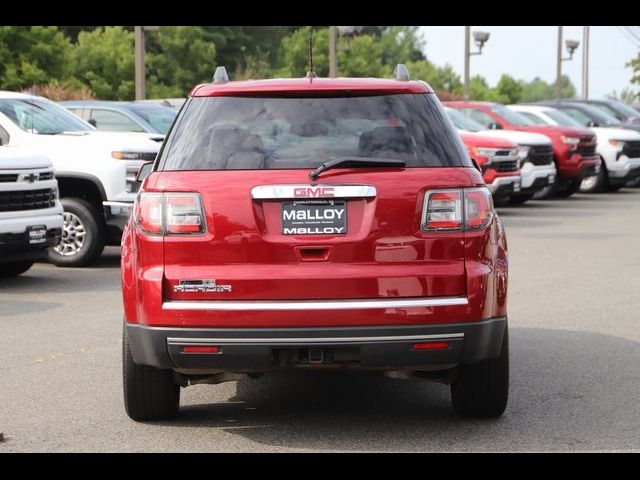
498, 160
574, 148
314, 223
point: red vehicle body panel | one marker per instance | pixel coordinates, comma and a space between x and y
384, 254
569, 162
489, 174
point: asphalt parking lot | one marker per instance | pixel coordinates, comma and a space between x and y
574, 306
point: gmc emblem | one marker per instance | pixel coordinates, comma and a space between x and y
313, 192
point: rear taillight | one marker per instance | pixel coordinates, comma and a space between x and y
460, 209
169, 213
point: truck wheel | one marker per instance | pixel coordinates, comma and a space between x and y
149, 393
547, 192
14, 268
482, 389
571, 187
613, 188
595, 183
83, 235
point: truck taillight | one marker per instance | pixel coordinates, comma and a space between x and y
443, 210
169, 213
460, 209
478, 208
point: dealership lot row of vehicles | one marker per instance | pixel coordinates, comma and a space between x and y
300, 223
541, 150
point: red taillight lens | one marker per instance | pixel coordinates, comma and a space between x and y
478, 208
443, 210
200, 349
431, 346
183, 213
148, 213
169, 213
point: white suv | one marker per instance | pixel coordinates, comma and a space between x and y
30, 211
537, 168
95, 171
618, 148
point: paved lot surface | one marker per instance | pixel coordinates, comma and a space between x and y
575, 332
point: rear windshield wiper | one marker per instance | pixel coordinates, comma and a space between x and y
355, 162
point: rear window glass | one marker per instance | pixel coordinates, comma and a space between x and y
226, 133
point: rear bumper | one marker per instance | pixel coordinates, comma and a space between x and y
261, 349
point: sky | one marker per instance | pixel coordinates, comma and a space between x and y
529, 52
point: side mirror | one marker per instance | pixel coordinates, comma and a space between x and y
93, 122
593, 124
495, 126
144, 171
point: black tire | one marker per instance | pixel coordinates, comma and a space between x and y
94, 238
149, 393
614, 188
482, 389
13, 269
596, 183
547, 192
520, 199
570, 187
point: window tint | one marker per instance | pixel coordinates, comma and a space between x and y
512, 117
219, 133
39, 116
561, 118
479, 116
533, 118
462, 122
159, 117
608, 110
577, 115
111, 121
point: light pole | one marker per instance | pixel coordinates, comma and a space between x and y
480, 39
140, 77
333, 42
572, 45
585, 62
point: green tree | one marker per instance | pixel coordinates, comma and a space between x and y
634, 64
293, 57
33, 55
508, 90
479, 89
626, 95
178, 59
103, 60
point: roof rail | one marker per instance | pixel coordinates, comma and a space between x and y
220, 76
401, 73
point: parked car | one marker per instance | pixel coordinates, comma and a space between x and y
537, 169
618, 149
588, 115
498, 160
175, 103
623, 112
30, 210
124, 116
573, 148
314, 223
95, 171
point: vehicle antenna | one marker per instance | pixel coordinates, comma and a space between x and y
310, 72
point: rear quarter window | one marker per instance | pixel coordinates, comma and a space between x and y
226, 133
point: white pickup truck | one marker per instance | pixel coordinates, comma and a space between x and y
95, 171
30, 211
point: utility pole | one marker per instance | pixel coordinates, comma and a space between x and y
559, 67
140, 75
585, 63
139, 61
467, 58
333, 63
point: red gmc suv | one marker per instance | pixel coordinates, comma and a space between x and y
314, 223
574, 149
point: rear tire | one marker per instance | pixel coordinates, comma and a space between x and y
149, 393
613, 188
83, 235
547, 192
482, 389
13, 269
